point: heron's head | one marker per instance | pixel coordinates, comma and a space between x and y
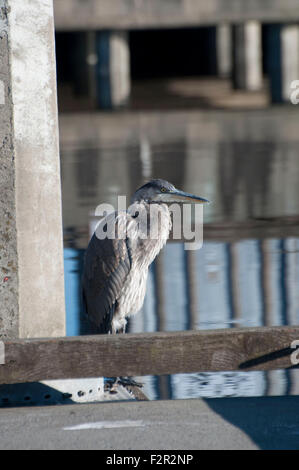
161, 191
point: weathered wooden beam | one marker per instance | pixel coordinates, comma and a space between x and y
97, 14
159, 353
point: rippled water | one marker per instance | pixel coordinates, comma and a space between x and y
247, 272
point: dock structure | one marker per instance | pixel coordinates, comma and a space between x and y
31, 287
31, 282
126, 14
239, 39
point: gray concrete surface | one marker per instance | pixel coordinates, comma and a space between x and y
9, 324
31, 252
128, 14
228, 423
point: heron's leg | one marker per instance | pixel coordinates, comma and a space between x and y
128, 380
110, 383
124, 326
124, 381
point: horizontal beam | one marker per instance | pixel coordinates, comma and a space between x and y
261, 348
126, 14
232, 231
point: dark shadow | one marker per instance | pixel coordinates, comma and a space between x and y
285, 352
32, 394
158, 53
271, 422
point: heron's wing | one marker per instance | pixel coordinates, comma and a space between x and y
107, 265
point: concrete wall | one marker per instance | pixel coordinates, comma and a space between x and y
31, 282
128, 14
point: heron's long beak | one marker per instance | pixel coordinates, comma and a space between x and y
181, 196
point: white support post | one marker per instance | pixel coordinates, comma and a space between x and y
289, 58
247, 56
31, 249
224, 50
113, 68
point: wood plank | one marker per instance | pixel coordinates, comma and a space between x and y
126, 14
159, 353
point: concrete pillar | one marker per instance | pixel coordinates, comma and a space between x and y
224, 47
290, 58
247, 56
31, 259
282, 50
113, 68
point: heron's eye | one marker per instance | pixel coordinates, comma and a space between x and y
163, 190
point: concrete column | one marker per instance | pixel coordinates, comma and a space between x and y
289, 58
113, 68
283, 60
31, 259
247, 56
224, 45
282, 52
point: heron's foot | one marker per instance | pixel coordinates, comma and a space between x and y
128, 381
110, 384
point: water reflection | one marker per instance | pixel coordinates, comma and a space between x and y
247, 164
222, 384
222, 285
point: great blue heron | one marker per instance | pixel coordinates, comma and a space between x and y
116, 268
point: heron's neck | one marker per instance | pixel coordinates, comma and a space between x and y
154, 219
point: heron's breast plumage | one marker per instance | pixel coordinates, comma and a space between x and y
144, 251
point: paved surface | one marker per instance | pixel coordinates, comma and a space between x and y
231, 423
